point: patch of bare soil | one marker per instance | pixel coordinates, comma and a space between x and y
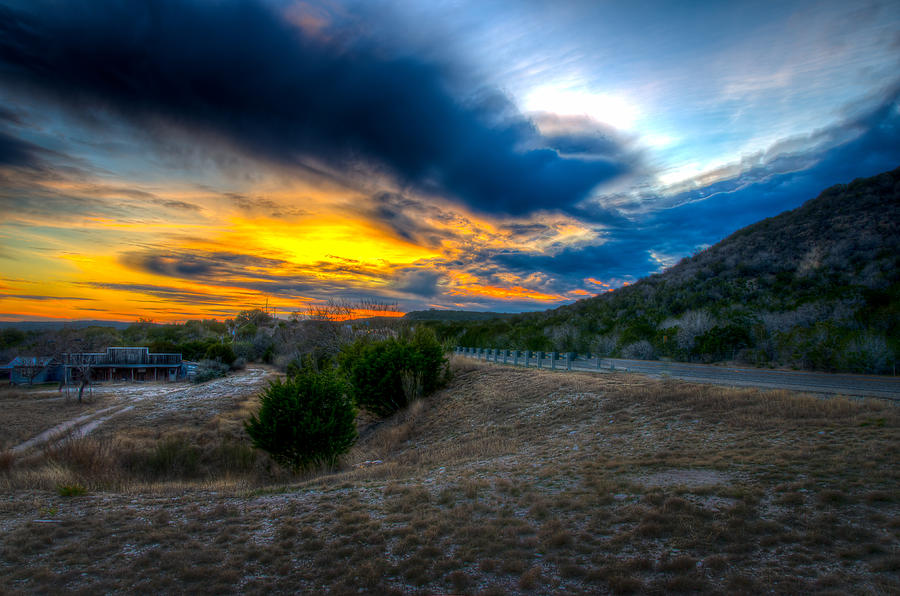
686, 478
508, 481
143, 403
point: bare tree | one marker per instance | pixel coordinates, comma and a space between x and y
690, 325
324, 328
30, 367
82, 365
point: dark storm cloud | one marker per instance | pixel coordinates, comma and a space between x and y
236, 70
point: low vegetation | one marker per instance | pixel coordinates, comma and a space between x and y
506, 481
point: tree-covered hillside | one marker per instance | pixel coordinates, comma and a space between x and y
817, 287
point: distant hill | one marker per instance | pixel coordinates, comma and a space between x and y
453, 315
816, 287
54, 325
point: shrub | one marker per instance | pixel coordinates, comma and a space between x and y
386, 375
305, 421
869, 353
209, 370
723, 341
640, 350
221, 353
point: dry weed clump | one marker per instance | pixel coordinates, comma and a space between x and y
122, 464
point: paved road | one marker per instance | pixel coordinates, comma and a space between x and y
813, 382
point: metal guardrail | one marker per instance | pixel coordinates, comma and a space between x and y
805, 381
538, 359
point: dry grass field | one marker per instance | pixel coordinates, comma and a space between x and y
508, 481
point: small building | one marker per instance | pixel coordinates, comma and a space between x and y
116, 364
34, 369
125, 364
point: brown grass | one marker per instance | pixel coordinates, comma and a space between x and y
28, 411
509, 481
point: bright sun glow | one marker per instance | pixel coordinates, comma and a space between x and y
612, 110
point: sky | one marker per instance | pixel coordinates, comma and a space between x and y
172, 160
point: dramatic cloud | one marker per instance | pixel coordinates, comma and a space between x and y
704, 215
198, 265
238, 71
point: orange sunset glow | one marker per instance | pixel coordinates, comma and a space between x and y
293, 153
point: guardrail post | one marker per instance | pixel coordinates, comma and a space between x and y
540, 359
553, 360
495, 353
515, 357
527, 355
505, 352
568, 360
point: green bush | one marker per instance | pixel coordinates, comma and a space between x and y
221, 353
305, 421
721, 342
209, 370
386, 375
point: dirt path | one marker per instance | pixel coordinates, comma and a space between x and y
150, 401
